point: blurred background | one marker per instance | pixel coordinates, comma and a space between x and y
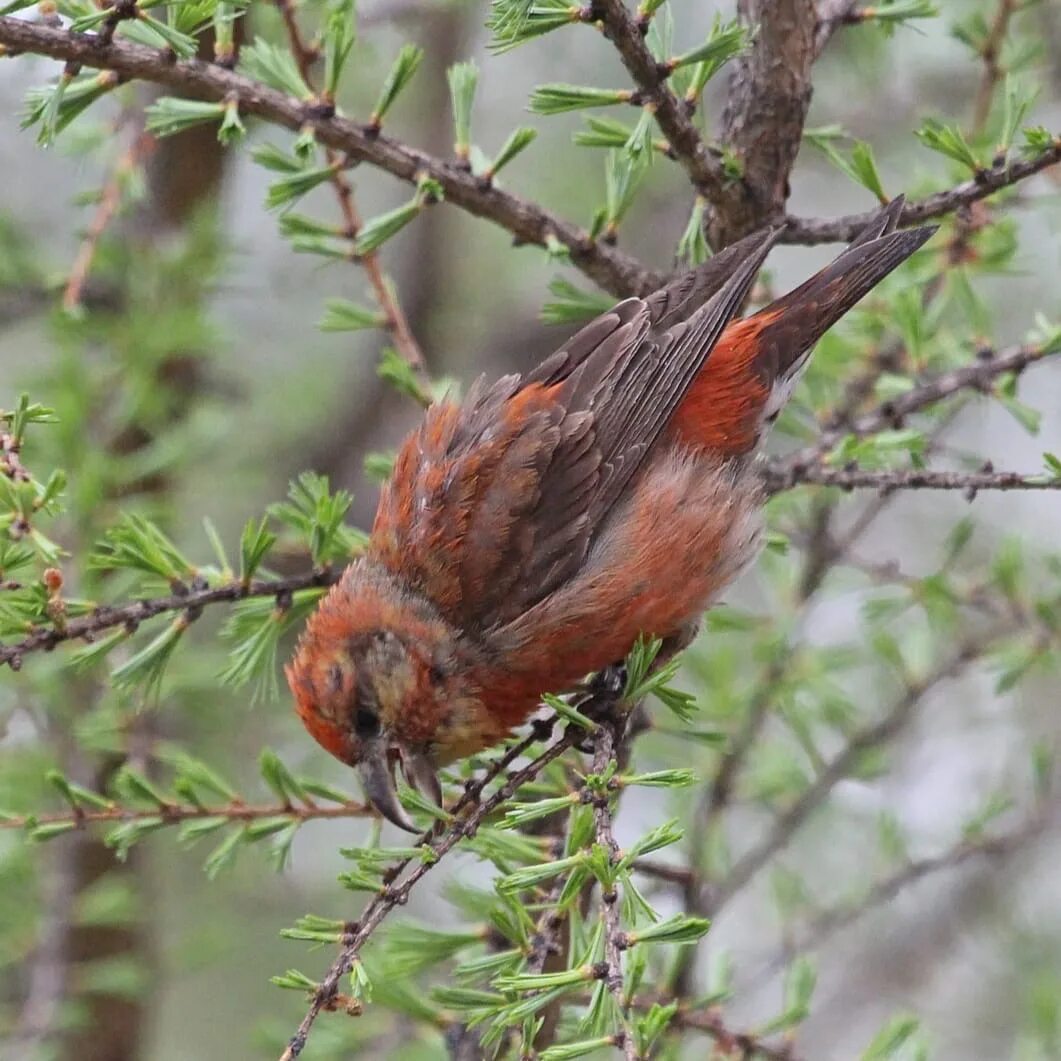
257, 393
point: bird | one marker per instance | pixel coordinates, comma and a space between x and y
533, 532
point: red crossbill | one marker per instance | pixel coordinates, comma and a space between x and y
533, 531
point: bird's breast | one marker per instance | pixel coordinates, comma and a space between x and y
688, 526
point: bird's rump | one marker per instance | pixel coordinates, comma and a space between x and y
756, 364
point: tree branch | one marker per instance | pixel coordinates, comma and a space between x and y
716, 798
989, 53
743, 1045
832, 14
606, 742
785, 471
131, 613
829, 922
396, 895
48, 975
613, 270
1004, 174
395, 321
718, 794
699, 162
780, 473
109, 203
839, 768
176, 813
762, 124
908, 479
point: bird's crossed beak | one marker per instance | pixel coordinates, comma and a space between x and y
376, 767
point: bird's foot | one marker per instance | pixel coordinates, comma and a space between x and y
601, 700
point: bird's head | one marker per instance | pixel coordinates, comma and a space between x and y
378, 683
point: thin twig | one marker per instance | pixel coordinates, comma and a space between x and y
975, 595
720, 791
826, 924
734, 1043
993, 72
832, 14
980, 376
841, 766
893, 356
11, 466
606, 740
131, 613
702, 165
910, 479
737, 1044
175, 813
109, 202
664, 871
1004, 174
394, 317
717, 797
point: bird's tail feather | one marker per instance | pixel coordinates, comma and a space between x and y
795, 322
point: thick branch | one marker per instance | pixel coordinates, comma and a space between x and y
529, 223
762, 124
48, 975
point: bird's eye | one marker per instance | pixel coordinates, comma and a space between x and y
366, 723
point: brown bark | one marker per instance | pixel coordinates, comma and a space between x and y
762, 124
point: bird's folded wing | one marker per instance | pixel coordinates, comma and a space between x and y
496, 501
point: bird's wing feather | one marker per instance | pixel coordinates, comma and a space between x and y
495, 502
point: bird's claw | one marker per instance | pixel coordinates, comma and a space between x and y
600, 697
604, 692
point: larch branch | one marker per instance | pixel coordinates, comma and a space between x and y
980, 376
766, 106
1003, 174
395, 321
397, 894
701, 163
888, 480
841, 766
528, 222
